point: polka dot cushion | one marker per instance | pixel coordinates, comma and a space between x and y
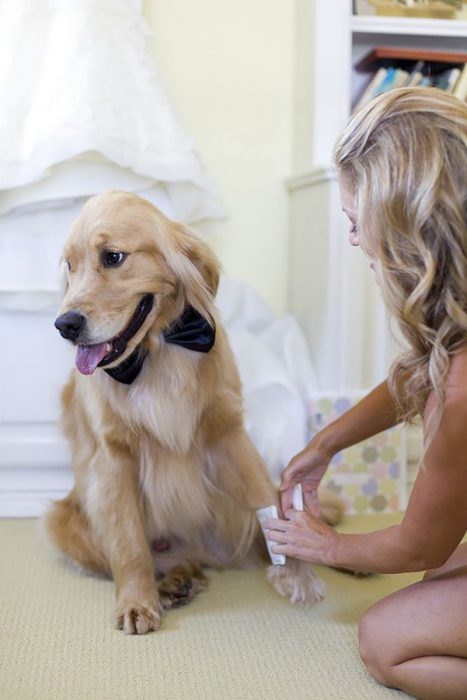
370, 477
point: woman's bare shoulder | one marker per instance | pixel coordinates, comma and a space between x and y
455, 402
456, 382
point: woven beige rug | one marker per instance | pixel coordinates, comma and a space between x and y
237, 641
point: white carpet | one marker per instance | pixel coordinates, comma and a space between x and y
237, 641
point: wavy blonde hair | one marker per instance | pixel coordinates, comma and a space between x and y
405, 156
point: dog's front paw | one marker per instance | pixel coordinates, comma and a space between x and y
181, 585
297, 581
138, 618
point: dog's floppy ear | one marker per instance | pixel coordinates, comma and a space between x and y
195, 266
200, 255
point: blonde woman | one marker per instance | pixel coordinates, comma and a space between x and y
402, 166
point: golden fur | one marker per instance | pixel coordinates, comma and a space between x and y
165, 459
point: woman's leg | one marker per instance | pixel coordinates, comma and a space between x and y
457, 559
416, 638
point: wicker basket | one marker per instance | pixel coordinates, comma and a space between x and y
434, 9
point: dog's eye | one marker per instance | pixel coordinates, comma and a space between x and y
111, 258
67, 263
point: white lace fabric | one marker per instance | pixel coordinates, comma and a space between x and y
78, 78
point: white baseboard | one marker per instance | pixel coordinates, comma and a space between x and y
27, 504
33, 444
26, 492
34, 468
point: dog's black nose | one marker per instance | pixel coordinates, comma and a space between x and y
70, 324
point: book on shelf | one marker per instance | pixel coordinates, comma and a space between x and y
371, 88
384, 79
385, 55
388, 82
400, 78
460, 88
447, 80
393, 67
416, 74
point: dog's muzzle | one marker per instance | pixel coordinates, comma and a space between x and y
120, 342
190, 331
72, 326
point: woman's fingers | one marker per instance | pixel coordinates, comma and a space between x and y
279, 525
286, 499
290, 550
291, 476
294, 471
306, 468
311, 500
278, 536
289, 536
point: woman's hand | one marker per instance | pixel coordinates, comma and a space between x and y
302, 536
306, 468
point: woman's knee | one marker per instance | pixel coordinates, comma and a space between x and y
372, 645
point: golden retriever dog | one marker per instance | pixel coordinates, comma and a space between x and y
167, 481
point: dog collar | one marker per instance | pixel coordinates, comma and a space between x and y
127, 371
190, 330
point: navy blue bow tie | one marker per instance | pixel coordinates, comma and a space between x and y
190, 330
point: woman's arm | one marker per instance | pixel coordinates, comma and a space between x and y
434, 523
436, 516
374, 413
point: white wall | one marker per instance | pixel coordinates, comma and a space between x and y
228, 67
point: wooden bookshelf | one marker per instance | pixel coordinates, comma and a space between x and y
371, 24
384, 54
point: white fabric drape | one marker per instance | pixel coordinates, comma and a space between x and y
78, 78
83, 111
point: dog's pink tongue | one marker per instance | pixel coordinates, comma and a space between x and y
89, 356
